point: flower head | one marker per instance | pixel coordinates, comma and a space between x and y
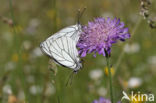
103, 100
99, 35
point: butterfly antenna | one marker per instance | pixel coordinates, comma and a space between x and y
80, 13
69, 81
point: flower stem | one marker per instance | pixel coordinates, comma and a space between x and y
122, 54
19, 52
110, 80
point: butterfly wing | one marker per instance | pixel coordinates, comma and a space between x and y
63, 51
73, 32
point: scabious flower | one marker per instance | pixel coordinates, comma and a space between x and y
103, 100
96, 74
99, 35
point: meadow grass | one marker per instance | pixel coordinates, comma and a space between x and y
24, 72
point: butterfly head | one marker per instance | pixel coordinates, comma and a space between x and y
80, 13
79, 27
79, 66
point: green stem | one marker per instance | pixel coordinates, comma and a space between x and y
110, 80
11, 11
18, 50
123, 52
13, 20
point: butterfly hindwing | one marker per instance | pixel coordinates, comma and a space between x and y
62, 50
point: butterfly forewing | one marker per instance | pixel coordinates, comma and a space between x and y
73, 32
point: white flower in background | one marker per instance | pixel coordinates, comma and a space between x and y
35, 89
21, 95
36, 53
49, 90
96, 74
7, 89
102, 91
27, 44
152, 60
10, 66
134, 82
34, 22
132, 48
33, 26
152, 63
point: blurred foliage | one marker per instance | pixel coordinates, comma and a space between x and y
25, 75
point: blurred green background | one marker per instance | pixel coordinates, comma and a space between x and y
26, 75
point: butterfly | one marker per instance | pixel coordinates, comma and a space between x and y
61, 47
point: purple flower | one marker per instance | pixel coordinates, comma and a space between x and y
99, 35
103, 100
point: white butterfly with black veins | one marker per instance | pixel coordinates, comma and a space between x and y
72, 31
61, 47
